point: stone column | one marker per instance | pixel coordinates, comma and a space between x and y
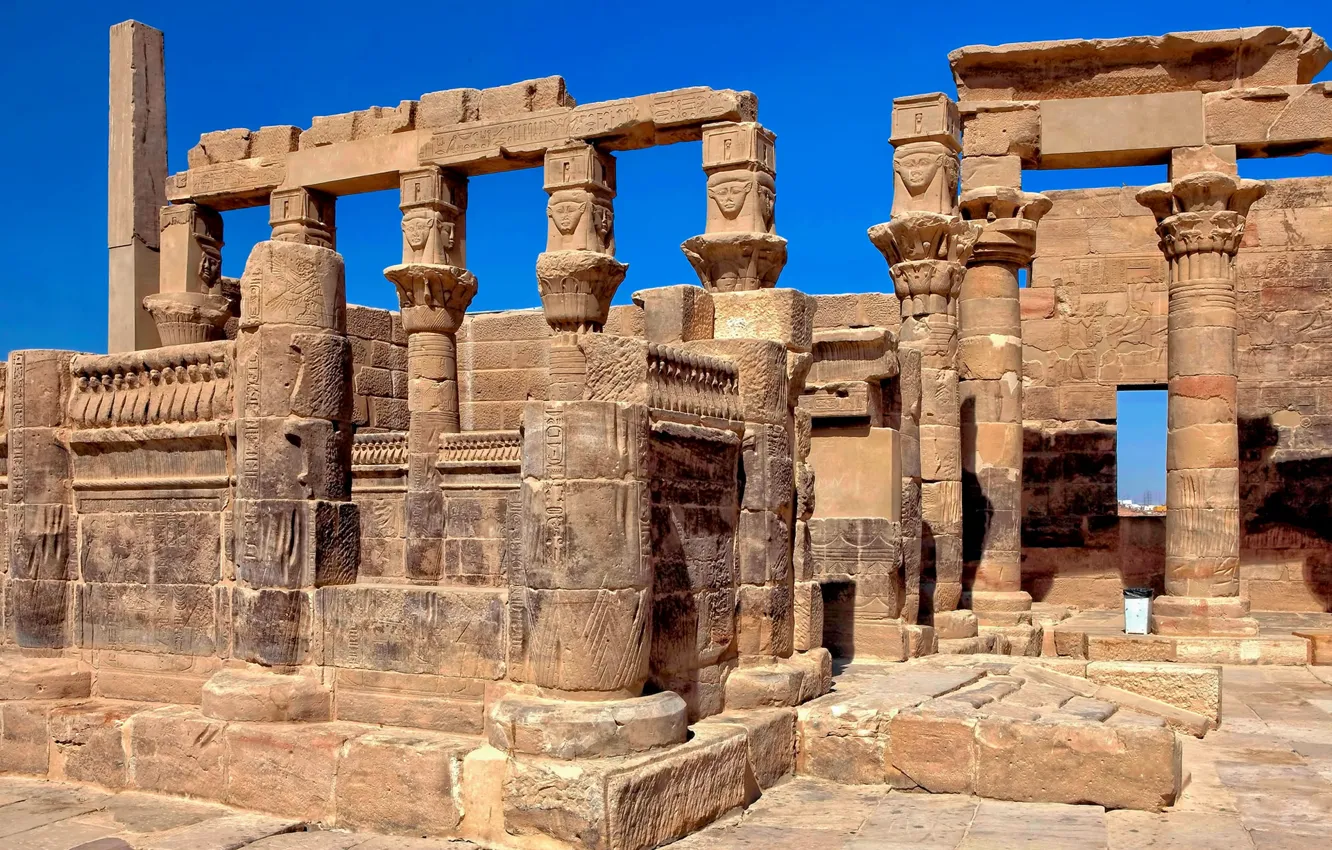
739, 249
577, 274
927, 245
189, 305
295, 528
135, 182
1201, 222
434, 291
582, 594
990, 368
42, 566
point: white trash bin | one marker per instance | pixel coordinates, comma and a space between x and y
1137, 610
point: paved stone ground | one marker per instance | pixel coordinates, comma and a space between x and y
1263, 781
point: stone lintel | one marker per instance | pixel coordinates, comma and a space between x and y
1212, 60
471, 147
1123, 130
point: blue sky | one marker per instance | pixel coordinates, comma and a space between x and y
825, 74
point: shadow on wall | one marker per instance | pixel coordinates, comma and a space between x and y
1286, 506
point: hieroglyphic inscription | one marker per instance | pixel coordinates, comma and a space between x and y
554, 519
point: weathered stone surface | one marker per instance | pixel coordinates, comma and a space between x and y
401, 782
258, 695
1195, 688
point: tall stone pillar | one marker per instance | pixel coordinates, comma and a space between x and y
927, 245
1200, 219
577, 274
434, 291
295, 528
189, 305
135, 182
582, 593
990, 368
739, 249
41, 524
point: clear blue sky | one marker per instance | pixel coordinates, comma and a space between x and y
825, 74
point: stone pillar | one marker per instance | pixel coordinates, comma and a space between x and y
295, 527
927, 245
135, 182
39, 606
189, 306
434, 291
739, 249
577, 274
1201, 222
990, 370
303, 216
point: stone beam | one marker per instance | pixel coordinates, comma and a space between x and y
1207, 61
468, 147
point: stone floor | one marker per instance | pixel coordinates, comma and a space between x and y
1263, 781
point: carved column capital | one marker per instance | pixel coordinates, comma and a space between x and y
1009, 217
1200, 221
577, 287
433, 297
927, 254
185, 317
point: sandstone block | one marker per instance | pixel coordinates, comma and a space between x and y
572, 730
978, 171
639, 801
950, 625
770, 739
764, 389
259, 695
287, 769
936, 749
763, 687
1196, 688
402, 782
1001, 129
1127, 648
676, 313
786, 315
1128, 767
24, 738
808, 627
87, 742
42, 678
176, 750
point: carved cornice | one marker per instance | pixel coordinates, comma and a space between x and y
433, 297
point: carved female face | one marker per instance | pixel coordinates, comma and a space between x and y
730, 196
917, 170
210, 267
417, 231
566, 215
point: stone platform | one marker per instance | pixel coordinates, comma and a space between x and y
1099, 636
1000, 728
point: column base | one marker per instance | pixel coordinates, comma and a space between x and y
954, 625
779, 682
1000, 608
567, 729
1222, 616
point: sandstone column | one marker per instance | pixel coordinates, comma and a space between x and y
434, 291
189, 305
577, 274
990, 368
295, 527
739, 249
136, 182
582, 593
1200, 219
927, 245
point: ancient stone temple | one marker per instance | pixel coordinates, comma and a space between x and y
577, 576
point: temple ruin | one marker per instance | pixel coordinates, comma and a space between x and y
582, 576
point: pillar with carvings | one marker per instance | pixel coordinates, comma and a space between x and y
189, 305
434, 291
577, 274
739, 249
1200, 220
990, 371
927, 245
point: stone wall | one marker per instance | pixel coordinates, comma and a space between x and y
1094, 321
379, 369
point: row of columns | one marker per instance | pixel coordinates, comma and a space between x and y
955, 262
